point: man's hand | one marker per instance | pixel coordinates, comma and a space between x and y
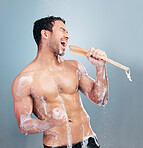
95, 57
59, 117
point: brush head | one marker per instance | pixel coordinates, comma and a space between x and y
78, 50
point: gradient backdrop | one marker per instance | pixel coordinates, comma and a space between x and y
115, 26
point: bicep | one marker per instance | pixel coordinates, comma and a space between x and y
23, 107
23, 103
86, 83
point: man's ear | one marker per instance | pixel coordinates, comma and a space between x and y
44, 34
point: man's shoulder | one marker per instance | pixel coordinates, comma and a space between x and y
72, 63
26, 73
21, 83
22, 76
28, 69
76, 64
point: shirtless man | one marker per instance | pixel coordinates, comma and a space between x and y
49, 87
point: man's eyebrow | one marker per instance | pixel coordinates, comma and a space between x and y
64, 29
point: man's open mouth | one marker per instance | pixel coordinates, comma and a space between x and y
64, 43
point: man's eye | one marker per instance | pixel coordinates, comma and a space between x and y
63, 29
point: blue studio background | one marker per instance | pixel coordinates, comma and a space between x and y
111, 25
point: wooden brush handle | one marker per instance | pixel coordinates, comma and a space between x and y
83, 52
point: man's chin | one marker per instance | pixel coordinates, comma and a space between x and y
61, 53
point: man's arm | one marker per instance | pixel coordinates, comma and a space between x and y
23, 107
96, 90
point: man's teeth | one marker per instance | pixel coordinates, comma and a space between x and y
63, 43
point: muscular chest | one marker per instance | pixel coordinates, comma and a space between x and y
51, 83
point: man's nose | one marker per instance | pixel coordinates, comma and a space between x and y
67, 36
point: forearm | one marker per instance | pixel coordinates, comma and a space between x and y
99, 93
33, 126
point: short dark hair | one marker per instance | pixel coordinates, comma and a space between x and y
44, 23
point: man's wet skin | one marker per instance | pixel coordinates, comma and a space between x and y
49, 88
55, 96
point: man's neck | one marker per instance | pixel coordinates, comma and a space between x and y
46, 57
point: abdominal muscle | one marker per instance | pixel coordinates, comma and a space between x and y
77, 124
58, 136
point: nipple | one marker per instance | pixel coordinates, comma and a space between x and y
70, 120
44, 98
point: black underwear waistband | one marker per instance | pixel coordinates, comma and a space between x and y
91, 142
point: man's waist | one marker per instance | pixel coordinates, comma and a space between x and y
90, 141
